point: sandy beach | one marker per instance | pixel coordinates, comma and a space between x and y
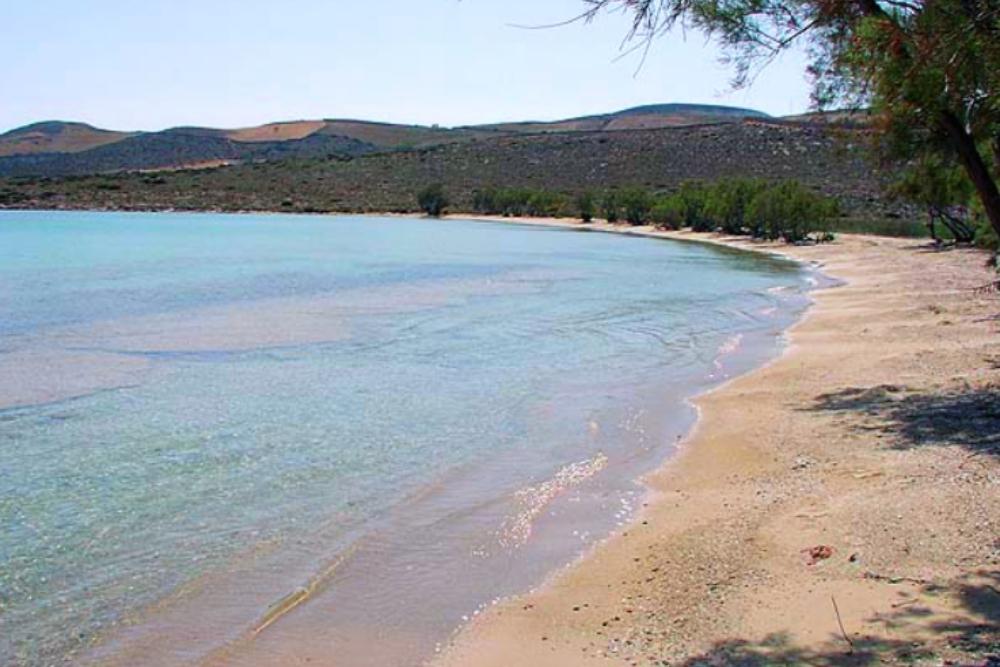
839, 506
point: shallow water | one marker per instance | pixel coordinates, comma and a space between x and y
385, 422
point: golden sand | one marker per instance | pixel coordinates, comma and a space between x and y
838, 506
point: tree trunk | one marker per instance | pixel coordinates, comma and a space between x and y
996, 154
975, 167
930, 224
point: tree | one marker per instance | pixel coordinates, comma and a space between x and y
433, 200
929, 69
726, 202
635, 203
668, 212
943, 191
611, 207
790, 212
585, 206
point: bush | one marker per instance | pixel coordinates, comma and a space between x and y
668, 212
879, 226
610, 207
726, 203
585, 206
986, 236
636, 204
943, 190
518, 202
541, 203
692, 197
433, 200
790, 212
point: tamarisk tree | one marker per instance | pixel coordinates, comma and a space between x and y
929, 70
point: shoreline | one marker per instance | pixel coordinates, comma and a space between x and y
297, 597
711, 570
626, 603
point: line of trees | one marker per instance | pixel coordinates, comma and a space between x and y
928, 72
785, 210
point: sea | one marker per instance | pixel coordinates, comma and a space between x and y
253, 439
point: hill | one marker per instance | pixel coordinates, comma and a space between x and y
567, 162
56, 137
650, 116
60, 149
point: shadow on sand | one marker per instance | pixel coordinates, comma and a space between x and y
969, 418
971, 635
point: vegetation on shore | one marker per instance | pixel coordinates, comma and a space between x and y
785, 210
432, 200
927, 71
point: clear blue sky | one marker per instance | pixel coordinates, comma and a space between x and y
152, 64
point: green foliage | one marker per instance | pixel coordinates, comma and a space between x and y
611, 207
941, 189
433, 200
668, 212
785, 210
726, 203
899, 228
985, 236
692, 196
929, 71
636, 204
790, 212
586, 206
518, 202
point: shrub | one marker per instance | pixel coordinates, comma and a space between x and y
585, 206
726, 203
433, 200
985, 235
610, 207
668, 212
635, 204
541, 203
790, 212
944, 191
692, 197
485, 201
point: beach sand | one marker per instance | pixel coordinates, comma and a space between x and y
839, 506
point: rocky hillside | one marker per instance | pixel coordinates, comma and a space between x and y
833, 162
61, 149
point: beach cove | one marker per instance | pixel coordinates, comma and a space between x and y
838, 506
261, 438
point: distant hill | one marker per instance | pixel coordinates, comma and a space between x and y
56, 137
834, 163
648, 117
60, 148
175, 149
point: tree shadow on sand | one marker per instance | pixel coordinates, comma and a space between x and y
969, 418
969, 636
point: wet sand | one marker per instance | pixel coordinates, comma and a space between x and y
839, 506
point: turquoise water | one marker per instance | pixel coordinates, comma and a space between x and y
368, 410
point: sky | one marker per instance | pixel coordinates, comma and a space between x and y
153, 64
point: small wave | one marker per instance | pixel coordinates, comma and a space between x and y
729, 346
517, 528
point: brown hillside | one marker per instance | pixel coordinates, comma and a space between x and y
835, 163
56, 137
277, 131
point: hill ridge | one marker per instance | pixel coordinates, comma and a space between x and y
52, 148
